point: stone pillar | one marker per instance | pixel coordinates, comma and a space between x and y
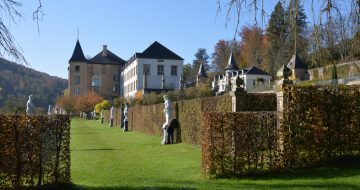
281, 84
236, 92
144, 81
162, 81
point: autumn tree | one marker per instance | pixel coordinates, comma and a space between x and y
86, 103
253, 46
66, 102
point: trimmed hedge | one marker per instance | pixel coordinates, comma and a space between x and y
320, 123
256, 102
239, 143
34, 151
150, 118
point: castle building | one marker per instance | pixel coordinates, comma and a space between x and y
155, 69
251, 77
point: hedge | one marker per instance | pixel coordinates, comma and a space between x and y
239, 143
150, 118
35, 151
320, 123
256, 102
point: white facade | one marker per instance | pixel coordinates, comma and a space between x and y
221, 83
133, 75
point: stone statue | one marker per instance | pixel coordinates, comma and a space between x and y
168, 116
29, 106
111, 116
49, 110
126, 117
56, 110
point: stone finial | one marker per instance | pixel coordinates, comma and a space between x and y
284, 72
239, 84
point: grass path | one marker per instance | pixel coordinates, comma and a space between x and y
108, 158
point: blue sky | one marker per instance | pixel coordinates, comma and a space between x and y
125, 26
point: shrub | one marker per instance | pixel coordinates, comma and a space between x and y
35, 150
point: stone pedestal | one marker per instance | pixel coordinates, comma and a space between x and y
279, 88
236, 99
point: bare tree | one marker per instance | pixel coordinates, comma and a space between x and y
9, 15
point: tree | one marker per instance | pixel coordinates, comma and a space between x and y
220, 56
295, 28
86, 103
276, 33
7, 41
201, 57
253, 46
67, 102
188, 75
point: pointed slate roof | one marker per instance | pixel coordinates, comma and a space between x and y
158, 51
201, 72
110, 58
78, 54
231, 64
296, 63
255, 71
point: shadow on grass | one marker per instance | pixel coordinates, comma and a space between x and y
323, 176
94, 149
342, 167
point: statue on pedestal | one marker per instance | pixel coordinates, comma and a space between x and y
29, 106
49, 110
111, 116
126, 117
168, 117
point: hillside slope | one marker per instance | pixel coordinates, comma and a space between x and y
17, 82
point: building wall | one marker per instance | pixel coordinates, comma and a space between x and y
86, 71
249, 80
106, 72
82, 72
133, 76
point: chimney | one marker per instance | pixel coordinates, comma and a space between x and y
104, 52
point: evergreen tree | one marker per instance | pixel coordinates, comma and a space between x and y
200, 57
276, 33
296, 26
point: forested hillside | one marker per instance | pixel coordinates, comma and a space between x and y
17, 82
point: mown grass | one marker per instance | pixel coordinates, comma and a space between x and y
108, 158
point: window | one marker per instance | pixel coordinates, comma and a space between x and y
173, 70
96, 81
160, 60
77, 79
115, 88
77, 91
160, 69
116, 77
146, 69
77, 68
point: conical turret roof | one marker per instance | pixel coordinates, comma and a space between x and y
296, 63
231, 64
78, 54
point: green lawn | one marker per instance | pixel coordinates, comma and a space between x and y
108, 158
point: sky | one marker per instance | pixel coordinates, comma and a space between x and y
125, 26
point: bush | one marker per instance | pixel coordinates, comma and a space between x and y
35, 151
